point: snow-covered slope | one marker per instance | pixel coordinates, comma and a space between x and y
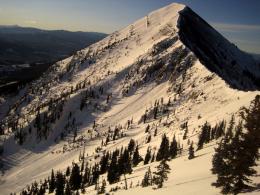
116, 80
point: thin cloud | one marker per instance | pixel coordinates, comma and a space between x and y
30, 22
235, 27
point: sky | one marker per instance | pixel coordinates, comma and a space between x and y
237, 20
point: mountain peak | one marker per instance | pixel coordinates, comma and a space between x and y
168, 73
237, 68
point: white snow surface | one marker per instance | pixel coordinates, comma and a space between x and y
113, 58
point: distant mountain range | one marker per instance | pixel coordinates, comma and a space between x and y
20, 45
25, 53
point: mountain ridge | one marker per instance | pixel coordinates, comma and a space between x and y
102, 87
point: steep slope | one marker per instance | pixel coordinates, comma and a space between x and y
82, 99
236, 67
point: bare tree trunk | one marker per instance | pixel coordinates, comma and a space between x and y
125, 182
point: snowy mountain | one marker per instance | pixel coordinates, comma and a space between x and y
165, 73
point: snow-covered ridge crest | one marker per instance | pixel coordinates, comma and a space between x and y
236, 67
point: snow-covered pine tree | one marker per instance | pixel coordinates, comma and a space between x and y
235, 157
161, 174
147, 180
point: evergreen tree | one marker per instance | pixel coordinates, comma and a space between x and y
67, 189
148, 139
220, 129
204, 137
75, 177
219, 166
147, 180
86, 176
161, 174
95, 173
153, 158
68, 171
147, 156
60, 183
155, 132
52, 182
147, 128
155, 111
104, 163
235, 156
230, 127
173, 148
82, 164
163, 152
113, 172
185, 133
191, 152
125, 163
251, 117
131, 145
136, 157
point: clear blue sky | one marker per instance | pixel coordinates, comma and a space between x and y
238, 20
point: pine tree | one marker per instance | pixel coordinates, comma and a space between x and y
68, 171
235, 156
163, 152
60, 183
75, 177
161, 174
251, 117
86, 176
95, 173
173, 148
67, 189
191, 152
136, 157
220, 129
125, 163
155, 111
104, 163
147, 156
147, 180
185, 133
82, 164
230, 127
148, 139
113, 172
155, 132
219, 166
131, 145
147, 128
52, 182
204, 137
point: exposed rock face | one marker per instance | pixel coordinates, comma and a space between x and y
237, 68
